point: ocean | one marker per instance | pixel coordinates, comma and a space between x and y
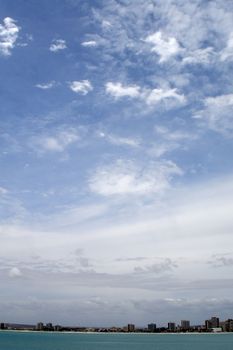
81, 341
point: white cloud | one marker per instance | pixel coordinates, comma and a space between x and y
219, 101
163, 46
168, 140
227, 52
46, 86
125, 177
182, 27
159, 149
90, 43
106, 24
117, 140
81, 87
75, 215
58, 45
218, 113
174, 135
187, 229
157, 95
8, 35
3, 190
202, 56
118, 90
52, 144
193, 224
151, 97
15, 272
58, 142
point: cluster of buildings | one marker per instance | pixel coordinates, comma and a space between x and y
211, 325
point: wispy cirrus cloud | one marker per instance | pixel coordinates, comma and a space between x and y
168, 140
3, 191
118, 140
46, 86
218, 113
90, 43
200, 56
227, 53
9, 32
56, 142
174, 135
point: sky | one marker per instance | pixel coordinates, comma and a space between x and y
116, 139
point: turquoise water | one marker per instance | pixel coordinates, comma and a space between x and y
58, 341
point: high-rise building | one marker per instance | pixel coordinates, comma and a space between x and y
40, 326
2, 326
215, 322
131, 327
171, 326
227, 326
212, 323
152, 327
185, 325
49, 326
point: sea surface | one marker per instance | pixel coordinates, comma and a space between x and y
63, 341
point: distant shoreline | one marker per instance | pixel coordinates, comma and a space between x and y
111, 333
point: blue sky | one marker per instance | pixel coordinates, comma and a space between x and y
116, 173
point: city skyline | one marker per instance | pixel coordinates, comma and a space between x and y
214, 325
116, 186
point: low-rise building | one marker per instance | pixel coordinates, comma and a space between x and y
217, 330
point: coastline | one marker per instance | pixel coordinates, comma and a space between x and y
111, 333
